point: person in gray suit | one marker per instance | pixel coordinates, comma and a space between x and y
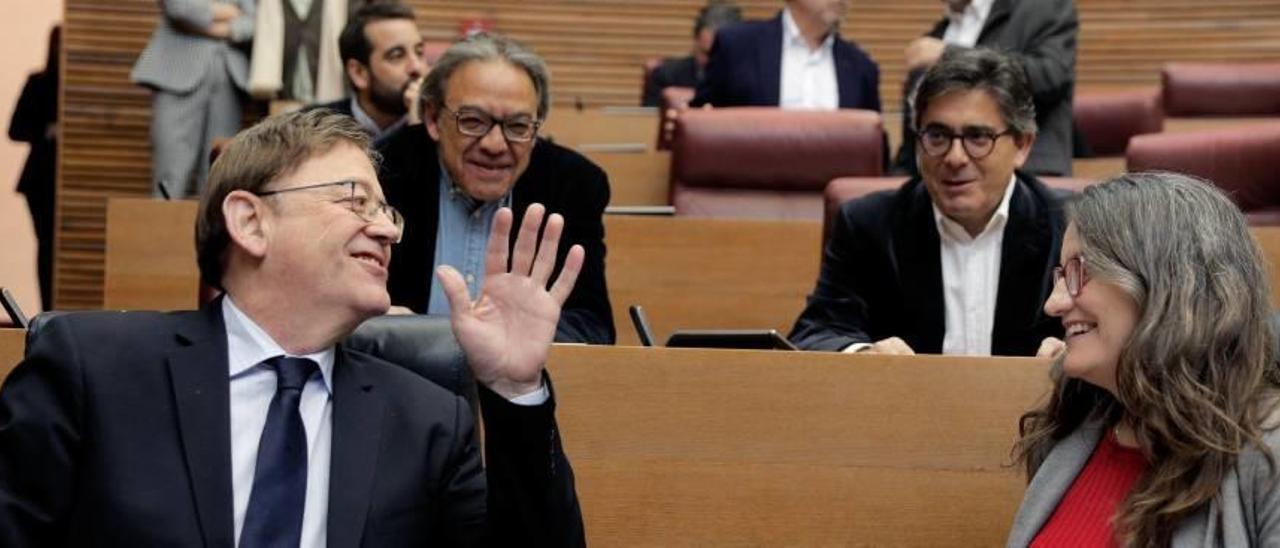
1161, 428
196, 67
1040, 34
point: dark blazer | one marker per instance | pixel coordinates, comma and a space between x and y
115, 431
558, 178
1041, 34
674, 71
881, 273
745, 69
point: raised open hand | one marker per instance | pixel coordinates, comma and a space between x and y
507, 331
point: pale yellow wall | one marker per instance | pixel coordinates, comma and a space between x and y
24, 38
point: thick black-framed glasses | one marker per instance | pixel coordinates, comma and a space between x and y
364, 207
936, 141
520, 128
1074, 272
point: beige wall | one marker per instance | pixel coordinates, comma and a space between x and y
24, 37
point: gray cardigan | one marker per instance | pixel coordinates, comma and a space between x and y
1245, 513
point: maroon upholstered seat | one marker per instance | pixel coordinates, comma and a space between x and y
767, 162
1242, 162
1108, 119
844, 189
1221, 89
674, 100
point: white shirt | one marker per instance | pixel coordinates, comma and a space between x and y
808, 76
971, 279
966, 26
252, 387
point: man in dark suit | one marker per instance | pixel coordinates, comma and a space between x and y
795, 60
35, 121
482, 103
958, 260
382, 55
249, 424
687, 71
1041, 35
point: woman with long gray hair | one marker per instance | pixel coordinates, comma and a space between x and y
1161, 426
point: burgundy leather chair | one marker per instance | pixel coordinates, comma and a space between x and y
674, 100
1108, 119
1221, 89
841, 190
1242, 162
756, 162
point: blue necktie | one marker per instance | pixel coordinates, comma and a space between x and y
274, 516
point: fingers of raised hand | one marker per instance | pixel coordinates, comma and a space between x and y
546, 260
569, 274
496, 254
455, 289
527, 240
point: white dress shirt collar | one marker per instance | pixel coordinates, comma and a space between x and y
965, 26
249, 345
949, 229
808, 76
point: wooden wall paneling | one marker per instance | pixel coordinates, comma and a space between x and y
13, 342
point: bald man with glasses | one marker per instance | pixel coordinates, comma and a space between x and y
959, 259
477, 151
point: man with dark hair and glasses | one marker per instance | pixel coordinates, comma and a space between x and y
478, 150
251, 423
960, 258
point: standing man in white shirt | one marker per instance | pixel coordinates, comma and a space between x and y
1040, 34
959, 259
794, 60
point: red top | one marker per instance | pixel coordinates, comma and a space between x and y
1084, 515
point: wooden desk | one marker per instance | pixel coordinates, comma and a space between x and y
151, 255
571, 128
636, 179
709, 273
676, 447
13, 343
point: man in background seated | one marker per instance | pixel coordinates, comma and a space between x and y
478, 151
958, 260
1040, 35
248, 423
381, 52
687, 71
795, 60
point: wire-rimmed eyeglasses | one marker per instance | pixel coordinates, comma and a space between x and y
362, 205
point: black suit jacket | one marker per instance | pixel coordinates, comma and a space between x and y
674, 71
881, 273
1041, 34
115, 431
745, 69
558, 178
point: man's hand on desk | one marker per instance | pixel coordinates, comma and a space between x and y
891, 345
1050, 347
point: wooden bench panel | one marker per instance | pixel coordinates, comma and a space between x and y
699, 447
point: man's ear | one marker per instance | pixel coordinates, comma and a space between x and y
247, 224
1024, 149
429, 116
358, 73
